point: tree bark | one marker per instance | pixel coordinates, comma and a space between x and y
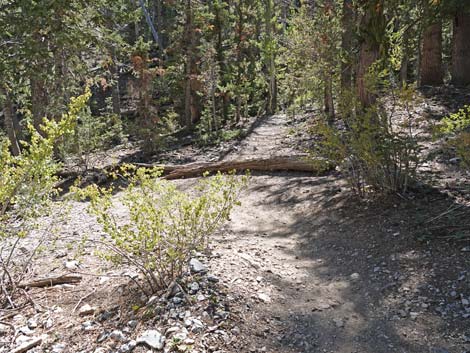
192, 109
346, 44
328, 99
461, 49
38, 101
9, 114
431, 70
197, 169
271, 58
372, 25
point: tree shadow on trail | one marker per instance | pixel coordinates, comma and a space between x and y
374, 276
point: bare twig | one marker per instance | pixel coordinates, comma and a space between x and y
83, 298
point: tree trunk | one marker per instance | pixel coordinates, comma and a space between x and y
239, 49
431, 70
271, 58
224, 97
461, 50
328, 99
371, 22
192, 109
38, 101
9, 114
115, 89
406, 58
346, 44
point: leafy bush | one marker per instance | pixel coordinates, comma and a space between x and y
27, 183
92, 134
456, 127
374, 152
165, 225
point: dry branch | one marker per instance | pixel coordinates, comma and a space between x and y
51, 281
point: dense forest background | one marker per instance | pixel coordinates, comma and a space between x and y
160, 67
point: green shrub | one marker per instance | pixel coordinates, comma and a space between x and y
373, 152
92, 134
27, 183
455, 126
165, 225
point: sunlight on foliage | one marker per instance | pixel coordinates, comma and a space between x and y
165, 225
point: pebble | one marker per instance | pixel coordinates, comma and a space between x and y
72, 265
88, 326
355, 276
194, 287
86, 309
117, 335
4, 329
339, 323
212, 278
152, 338
132, 323
197, 266
264, 297
128, 347
32, 323
58, 348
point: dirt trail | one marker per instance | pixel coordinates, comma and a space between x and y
316, 271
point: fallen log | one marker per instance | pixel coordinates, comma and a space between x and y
265, 164
300, 163
51, 281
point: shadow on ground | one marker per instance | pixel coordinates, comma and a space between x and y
374, 277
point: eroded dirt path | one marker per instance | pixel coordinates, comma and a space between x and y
317, 271
302, 267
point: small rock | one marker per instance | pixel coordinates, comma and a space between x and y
264, 297
438, 350
48, 323
25, 330
153, 300
102, 337
414, 315
88, 326
355, 276
194, 287
465, 249
212, 278
32, 323
86, 310
454, 160
128, 347
117, 335
197, 326
27, 345
153, 339
72, 265
201, 297
58, 348
177, 300
339, 323
4, 329
465, 302
197, 266
132, 323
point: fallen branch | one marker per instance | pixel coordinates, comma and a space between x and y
35, 341
51, 281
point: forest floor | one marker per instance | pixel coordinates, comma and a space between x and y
302, 266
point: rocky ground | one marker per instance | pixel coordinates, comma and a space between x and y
302, 266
